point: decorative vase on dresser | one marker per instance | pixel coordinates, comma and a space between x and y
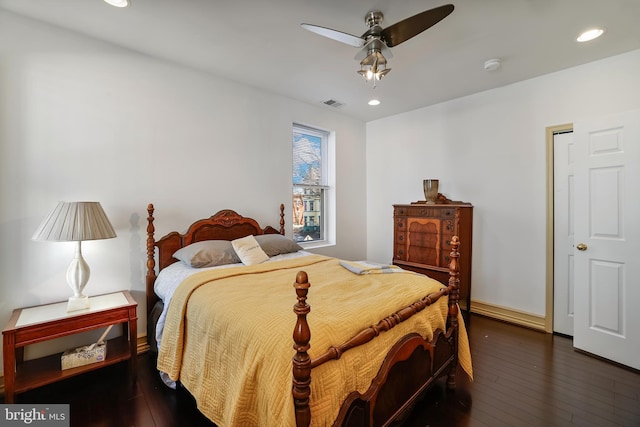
422, 240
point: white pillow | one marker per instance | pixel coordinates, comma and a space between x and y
249, 250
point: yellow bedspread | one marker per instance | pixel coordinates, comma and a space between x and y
228, 336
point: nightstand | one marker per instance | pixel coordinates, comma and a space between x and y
46, 322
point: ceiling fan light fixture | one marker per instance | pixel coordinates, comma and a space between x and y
374, 67
381, 74
371, 74
367, 74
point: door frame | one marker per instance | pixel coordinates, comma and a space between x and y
550, 131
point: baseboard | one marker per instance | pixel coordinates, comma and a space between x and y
509, 315
141, 347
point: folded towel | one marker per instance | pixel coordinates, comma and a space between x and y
368, 267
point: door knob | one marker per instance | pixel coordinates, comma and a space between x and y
581, 247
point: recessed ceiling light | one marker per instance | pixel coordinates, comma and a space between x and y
590, 34
374, 102
118, 3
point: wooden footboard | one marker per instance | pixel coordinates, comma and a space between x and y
392, 392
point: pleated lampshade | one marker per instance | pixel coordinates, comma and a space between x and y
75, 221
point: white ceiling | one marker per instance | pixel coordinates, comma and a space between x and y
261, 43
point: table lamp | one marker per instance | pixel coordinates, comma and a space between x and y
75, 222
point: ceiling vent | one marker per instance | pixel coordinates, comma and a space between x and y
333, 103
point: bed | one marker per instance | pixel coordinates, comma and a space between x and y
381, 335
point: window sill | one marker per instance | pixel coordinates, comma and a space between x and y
316, 245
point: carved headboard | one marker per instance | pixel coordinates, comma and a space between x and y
224, 225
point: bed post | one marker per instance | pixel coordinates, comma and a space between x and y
282, 218
301, 361
151, 262
454, 296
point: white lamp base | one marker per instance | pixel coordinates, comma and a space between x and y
77, 277
78, 303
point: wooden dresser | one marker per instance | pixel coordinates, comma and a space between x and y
422, 241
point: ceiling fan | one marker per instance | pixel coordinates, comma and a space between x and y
376, 41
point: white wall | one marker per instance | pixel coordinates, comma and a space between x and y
489, 149
85, 120
82, 119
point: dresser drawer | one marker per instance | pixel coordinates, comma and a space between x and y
448, 227
400, 237
400, 252
425, 211
445, 258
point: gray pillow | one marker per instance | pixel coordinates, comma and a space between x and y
208, 253
276, 244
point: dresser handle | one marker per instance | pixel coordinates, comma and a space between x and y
401, 237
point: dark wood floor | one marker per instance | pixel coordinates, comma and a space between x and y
522, 378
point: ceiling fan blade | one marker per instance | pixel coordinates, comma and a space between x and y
346, 38
414, 25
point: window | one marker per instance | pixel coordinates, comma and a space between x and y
312, 185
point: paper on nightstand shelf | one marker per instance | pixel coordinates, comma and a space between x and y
85, 355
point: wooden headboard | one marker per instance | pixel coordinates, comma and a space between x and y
224, 225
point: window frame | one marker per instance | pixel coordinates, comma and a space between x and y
326, 186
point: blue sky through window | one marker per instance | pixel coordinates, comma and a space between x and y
306, 158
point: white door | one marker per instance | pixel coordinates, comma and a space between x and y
563, 230
607, 238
